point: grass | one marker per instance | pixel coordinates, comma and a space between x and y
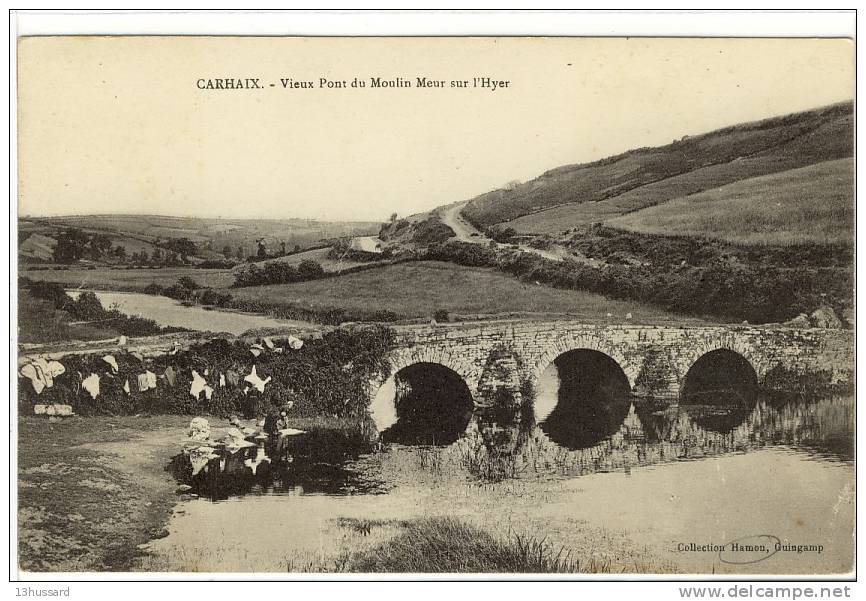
91, 489
578, 194
39, 321
105, 278
448, 545
320, 256
418, 289
218, 232
810, 205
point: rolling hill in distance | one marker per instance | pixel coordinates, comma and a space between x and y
139, 233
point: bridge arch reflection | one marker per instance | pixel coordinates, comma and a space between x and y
423, 403
720, 390
582, 398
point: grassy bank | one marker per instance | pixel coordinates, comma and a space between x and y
420, 288
48, 314
90, 490
129, 280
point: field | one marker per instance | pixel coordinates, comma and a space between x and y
810, 205
104, 278
319, 255
578, 194
213, 234
418, 289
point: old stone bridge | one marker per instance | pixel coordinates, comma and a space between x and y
513, 354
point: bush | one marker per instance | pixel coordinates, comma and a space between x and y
209, 296
308, 270
87, 306
188, 283
326, 377
50, 291
154, 289
278, 272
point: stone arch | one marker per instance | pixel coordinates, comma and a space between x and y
404, 357
588, 342
728, 341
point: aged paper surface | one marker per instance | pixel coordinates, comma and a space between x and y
419, 305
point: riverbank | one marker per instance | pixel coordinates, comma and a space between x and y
94, 495
90, 490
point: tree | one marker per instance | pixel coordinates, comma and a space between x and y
262, 252
393, 217
240, 254
297, 248
282, 248
156, 255
71, 244
188, 283
120, 252
227, 251
308, 269
99, 244
182, 246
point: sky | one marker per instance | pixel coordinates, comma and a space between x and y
119, 124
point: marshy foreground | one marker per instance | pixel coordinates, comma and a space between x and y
644, 495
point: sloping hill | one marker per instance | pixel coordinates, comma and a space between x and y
810, 205
577, 194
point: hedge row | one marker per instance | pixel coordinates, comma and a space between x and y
324, 377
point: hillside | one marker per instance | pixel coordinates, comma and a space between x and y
574, 195
809, 205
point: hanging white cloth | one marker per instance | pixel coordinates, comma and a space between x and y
91, 385
35, 375
55, 368
112, 362
295, 343
198, 384
254, 379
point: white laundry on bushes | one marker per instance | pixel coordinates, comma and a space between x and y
254, 379
198, 384
91, 385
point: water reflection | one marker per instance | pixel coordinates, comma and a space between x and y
500, 445
319, 461
433, 406
720, 390
592, 399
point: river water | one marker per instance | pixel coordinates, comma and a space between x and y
169, 312
669, 490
